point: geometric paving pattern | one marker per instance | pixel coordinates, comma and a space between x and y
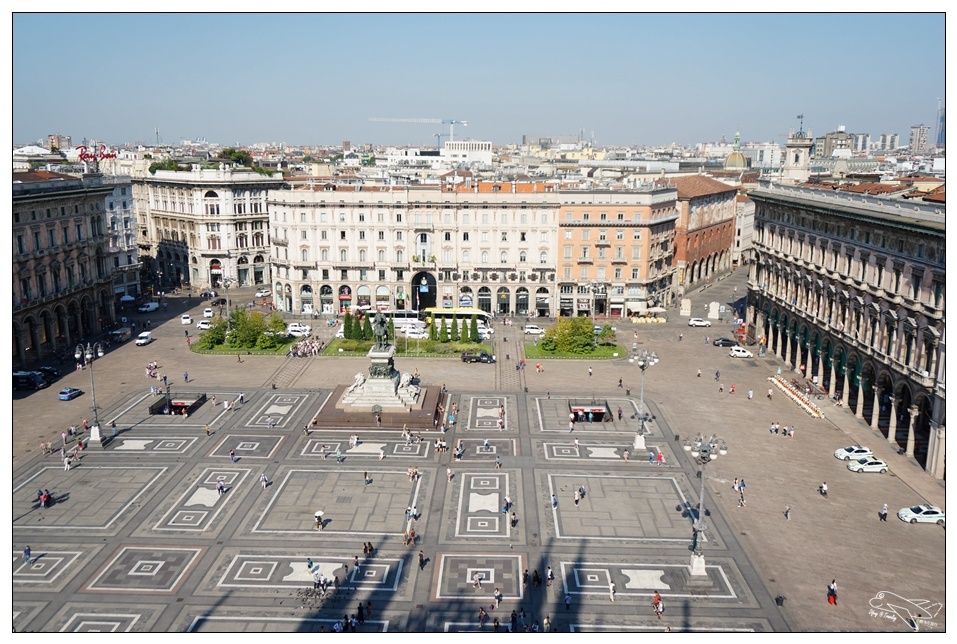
144, 569
457, 575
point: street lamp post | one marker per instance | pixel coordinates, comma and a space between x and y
91, 353
703, 451
644, 360
225, 283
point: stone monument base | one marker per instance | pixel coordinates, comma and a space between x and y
420, 418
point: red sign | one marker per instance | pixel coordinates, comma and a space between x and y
96, 155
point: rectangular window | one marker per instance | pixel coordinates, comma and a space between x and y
568, 234
602, 235
362, 234
304, 234
617, 273
543, 238
343, 275
637, 234
619, 234
586, 235
636, 252
583, 273
21, 247
342, 234
325, 274
567, 273
504, 237
381, 276
634, 273
363, 274
322, 234
568, 252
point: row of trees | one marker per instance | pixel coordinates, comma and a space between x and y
245, 331
575, 336
355, 327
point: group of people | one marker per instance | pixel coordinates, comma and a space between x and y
44, 498
307, 347
777, 429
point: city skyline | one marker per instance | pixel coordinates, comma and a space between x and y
620, 79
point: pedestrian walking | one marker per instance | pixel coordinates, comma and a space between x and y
651, 457
365, 477
699, 373
624, 455
497, 596
66, 463
514, 520
717, 376
883, 513
27, 555
238, 359
681, 336
264, 480
750, 394
707, 340
619, 412
568, 603
577, 498
221, 488
787, 513
421, 560
232, 456
832, 592
207, 430
770, 393
185, 376
498, 462
554, 501
448, 472
611, 591
63, 437
549, 576
576, 443
619, 383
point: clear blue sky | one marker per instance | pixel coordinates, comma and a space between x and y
316, 79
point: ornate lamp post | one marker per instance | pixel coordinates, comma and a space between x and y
91, 353
225, 283
703, 451
643, 360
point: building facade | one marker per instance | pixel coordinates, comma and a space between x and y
849, 291
705, 230
617, 251
203, 226
490, 246
121, 223
62, 271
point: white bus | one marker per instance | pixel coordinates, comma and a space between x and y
458, 314
403, 318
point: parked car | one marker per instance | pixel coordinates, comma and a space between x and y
298, 329
208, 294
202, 325
263, 292
144, 338
724, 342
868, 464
698, 322
852, 452
416, 334
533, 329
207, 313
478, 356
49, 373
220, 301
121, 335
69, 393
29, 380
148, 307
185, 319
922, 514
740, 352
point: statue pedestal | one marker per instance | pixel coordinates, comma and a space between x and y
639, 443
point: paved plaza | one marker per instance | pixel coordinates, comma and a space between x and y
141, 538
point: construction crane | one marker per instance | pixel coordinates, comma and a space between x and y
438, 140
450, 122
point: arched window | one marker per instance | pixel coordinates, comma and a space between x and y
485, 257
522, 257
343, 254
465, 236
362, 255
543, 258
381, 255
324, 254
503, 258
399, 256
305, 254
465, 256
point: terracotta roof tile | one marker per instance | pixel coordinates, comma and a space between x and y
697, 185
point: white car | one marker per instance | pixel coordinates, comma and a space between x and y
341, 333
144, 338
265, 292
207, 313
855, 452
922, 514
533, 329
202, 325
185, 319
699, 322
297, 333
295, 328
416, 334
740, 352
868, 464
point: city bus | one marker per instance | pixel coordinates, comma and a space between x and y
402, 318
457, 314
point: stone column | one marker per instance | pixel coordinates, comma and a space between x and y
831, 379
909, 450
892, 426
859, 412
875, 410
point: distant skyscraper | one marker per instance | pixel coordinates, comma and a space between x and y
919, 137
346, 146
941, 139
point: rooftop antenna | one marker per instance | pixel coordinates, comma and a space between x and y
156, 129
801, 128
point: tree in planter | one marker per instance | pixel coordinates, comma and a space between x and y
367, 328
473, 331
444, 333
454, 335
433, 335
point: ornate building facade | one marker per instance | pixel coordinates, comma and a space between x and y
62, 271
204, 226
848, 290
